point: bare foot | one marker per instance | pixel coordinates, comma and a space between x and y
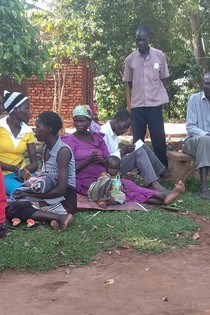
102, 204
54, 224
64, 221
157, 186
174, 193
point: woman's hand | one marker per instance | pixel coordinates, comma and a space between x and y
26, 173
95, 156
16, 168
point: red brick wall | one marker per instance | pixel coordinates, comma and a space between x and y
78, 90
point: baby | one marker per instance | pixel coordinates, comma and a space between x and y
107, 190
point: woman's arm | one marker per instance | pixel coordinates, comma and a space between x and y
12, 168
31, 148
63, 159
32, 167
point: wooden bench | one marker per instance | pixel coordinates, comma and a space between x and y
182, 165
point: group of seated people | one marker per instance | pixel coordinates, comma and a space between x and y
91, 162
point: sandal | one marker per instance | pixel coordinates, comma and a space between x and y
31, 224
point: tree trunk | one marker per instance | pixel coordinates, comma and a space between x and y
197, 39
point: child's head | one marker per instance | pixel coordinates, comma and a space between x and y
112, 165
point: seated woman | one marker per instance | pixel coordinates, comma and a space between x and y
16, 137
58, 204
2, 206
90, 152
89, 149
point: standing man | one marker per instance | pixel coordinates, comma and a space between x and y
146, 71
197, 142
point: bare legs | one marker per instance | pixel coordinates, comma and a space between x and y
174, 193
63, 220
157, 186
103, 194
167, 198
204, 190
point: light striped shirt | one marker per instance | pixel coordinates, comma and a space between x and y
146, 75
198, 115
51, 167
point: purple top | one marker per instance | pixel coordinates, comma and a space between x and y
92, 171
81, 150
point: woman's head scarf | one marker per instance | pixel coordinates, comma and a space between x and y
82, 110
12, 100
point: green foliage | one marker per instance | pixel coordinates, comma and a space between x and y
22, 53
182, 83
104, 31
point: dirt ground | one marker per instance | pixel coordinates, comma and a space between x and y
176, 283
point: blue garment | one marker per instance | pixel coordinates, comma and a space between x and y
11, 184
198, 116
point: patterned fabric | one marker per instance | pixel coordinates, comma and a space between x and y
56, 208
51, 167
82, 110
12, 100
113, 185
36, 184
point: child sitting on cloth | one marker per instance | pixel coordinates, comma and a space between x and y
107, 190
110, 189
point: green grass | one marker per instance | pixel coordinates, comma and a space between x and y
191, 201
155, 231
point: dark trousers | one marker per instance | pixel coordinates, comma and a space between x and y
153, 118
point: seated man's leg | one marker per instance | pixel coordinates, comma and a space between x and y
158, 167
199, 148
140, 160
